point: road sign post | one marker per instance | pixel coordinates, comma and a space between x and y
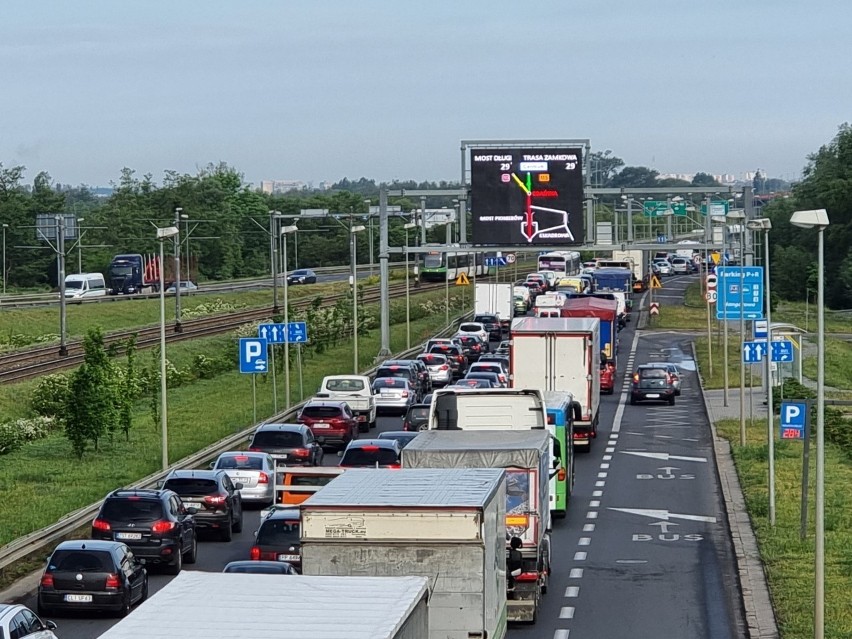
253, 361
782, 351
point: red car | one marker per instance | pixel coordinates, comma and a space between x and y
607, 378
332, 423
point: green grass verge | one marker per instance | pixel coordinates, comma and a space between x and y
716, 379
805, 316
789, 561
838, 364
692, 314
43, 481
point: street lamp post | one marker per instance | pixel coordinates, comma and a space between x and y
285, 230
410, 225
273, 258
739, 216
80, 245
162, 235
178, 327
353, 244
818, 219
5, 226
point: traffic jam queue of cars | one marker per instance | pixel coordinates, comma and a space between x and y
489, 429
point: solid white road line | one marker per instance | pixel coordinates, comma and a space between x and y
619, 413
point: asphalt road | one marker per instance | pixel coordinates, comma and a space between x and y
645, 551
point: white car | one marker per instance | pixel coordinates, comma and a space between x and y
254, 470
20, 621
440, 371
680, 265
473, 328
664, 267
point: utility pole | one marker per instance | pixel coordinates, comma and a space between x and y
178, 326
60, 257
384, 275
273, 258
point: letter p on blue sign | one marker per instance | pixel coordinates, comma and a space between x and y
794, 418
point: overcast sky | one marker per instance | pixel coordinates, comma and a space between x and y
324, 89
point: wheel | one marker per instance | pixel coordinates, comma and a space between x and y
671, 400
227, 533
238, 525
373, 424
144, 594
192, 555
364, 427
125, 606
175, 567
632, 401
44, 611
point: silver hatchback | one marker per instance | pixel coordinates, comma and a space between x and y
254, 470
440, 371
393, 395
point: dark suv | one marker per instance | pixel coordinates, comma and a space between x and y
372, 453
215, 497
491, 324
652, 383
293, 443
154, 524
277, 539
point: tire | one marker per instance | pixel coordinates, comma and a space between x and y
125, 606
373, 424
364, 427
671, 401
192, 555
144, 594
44, 611
632, 401
237, 526
176, 566
227, 533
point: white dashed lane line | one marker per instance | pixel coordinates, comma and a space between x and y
584, 541
572, 592
588, 528
576, 573
567, 612
561, 634
580, 556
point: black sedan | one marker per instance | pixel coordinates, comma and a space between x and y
302, 276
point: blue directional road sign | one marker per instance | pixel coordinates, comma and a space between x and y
732, 301
662, 239
794, 420
782, 351
253, 355
273, 333
297, 332
753, 352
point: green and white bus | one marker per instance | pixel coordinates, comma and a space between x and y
438, 266
560, 423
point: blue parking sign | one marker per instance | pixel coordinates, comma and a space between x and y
253, 355
794, 420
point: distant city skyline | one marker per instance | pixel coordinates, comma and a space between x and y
321, 91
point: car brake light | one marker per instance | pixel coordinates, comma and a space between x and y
670, 378
100, 524
254, 553
370, 449
215, 500
47, 580
163, 526
395, 466
112, 582
241, 457
445, 367
301, 452
405, 393
459, 358
263, 478
502, 378
561, 475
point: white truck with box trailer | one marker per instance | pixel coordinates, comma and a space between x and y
528, 462
248, 606
496, 299
487, 408
447, 525
560, 354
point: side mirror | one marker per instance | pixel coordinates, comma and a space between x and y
340, 453
50, 625
212, 465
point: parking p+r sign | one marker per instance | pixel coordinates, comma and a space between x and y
794, 418
253, 355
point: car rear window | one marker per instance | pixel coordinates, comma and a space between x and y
420, 412
320, 412
81, 561
444, 349
131, 509
652, 372
184, 486
310, 480
471, 328
345, 385
371, 457
486, 368
242, 462
474, 382
389, 382
276, 439
432, 359
393, 372
278, 532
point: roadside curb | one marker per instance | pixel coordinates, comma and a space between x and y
22, 589
757, 601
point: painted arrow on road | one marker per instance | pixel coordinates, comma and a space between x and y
663, 514
664, 456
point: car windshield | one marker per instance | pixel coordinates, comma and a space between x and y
486, 368
471, 382
185, 486
481, 375
369, 456
278, 532
485, 319
81, 561
241, 462
132, 509
444, 349
320, 412
73, 284
299, 273
276, 439
652, 372
345, 385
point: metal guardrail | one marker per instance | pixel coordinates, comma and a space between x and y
36, 540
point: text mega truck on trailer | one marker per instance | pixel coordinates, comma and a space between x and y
246, 606
509, 409
526, 458
447, 525
560, 354
495, 299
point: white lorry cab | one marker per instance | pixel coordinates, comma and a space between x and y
85, 285
487, 409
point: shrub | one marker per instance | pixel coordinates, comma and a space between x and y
204, 367
16, 433
49, 395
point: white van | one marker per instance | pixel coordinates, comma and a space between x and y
84, 286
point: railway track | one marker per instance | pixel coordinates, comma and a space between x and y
44, 360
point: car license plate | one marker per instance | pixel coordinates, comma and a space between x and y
78, 598
194, 504
129, 536
288, 557
653, 396
322, 425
